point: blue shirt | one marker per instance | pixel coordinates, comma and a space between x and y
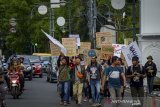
114, 76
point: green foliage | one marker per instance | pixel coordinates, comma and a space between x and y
29, 30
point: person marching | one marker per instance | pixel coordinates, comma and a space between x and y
78, 79
151, 71
95, 73
136, 73
122, 66
113, 75
64, 81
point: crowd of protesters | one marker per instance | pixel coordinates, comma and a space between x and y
107, 78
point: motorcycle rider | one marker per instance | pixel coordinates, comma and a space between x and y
14, 67
20, 70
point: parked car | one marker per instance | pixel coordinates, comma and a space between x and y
46, 63
36, 65
52, 74
37, 69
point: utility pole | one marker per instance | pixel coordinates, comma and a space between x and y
134, 19
94, 23
69, 14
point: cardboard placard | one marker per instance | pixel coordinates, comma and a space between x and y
84, 46
70, 45
54, 49
106, 51
103, 38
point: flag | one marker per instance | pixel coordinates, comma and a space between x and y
56, 42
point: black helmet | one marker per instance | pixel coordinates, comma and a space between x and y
135, 58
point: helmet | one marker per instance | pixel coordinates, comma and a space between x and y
79, 74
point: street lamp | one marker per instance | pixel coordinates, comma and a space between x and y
109, 19
43, 11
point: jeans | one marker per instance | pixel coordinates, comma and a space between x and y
150, 84
95, 90
64, 91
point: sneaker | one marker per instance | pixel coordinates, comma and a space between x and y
98, 104
85, 99
65, 104
94, 105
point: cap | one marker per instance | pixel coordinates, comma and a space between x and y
150, 57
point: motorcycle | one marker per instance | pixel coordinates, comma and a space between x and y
15, 85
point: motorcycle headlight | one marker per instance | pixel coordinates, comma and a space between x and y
14, 81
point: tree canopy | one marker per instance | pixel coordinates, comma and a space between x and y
28, 30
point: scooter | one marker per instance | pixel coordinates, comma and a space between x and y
15, 84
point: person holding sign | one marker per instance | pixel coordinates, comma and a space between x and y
95, 73
113, 75
78, 79
64, 81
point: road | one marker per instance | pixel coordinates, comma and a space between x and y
39, 93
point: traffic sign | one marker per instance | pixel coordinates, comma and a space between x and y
91, 53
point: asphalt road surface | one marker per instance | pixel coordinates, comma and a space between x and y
39, 93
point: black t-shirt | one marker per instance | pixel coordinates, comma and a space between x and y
136, 81
151, 69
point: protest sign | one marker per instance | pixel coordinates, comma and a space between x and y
117, 49
70, 45
106, 51
54, 49
77, 39
84, 46
103, 38
130, 51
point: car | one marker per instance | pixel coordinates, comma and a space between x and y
36, 65
37, 69
27, 69
46, 63
52, 74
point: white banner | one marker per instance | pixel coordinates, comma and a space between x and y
118, 49
56, 42
130, 51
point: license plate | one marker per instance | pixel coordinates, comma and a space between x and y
14, 85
